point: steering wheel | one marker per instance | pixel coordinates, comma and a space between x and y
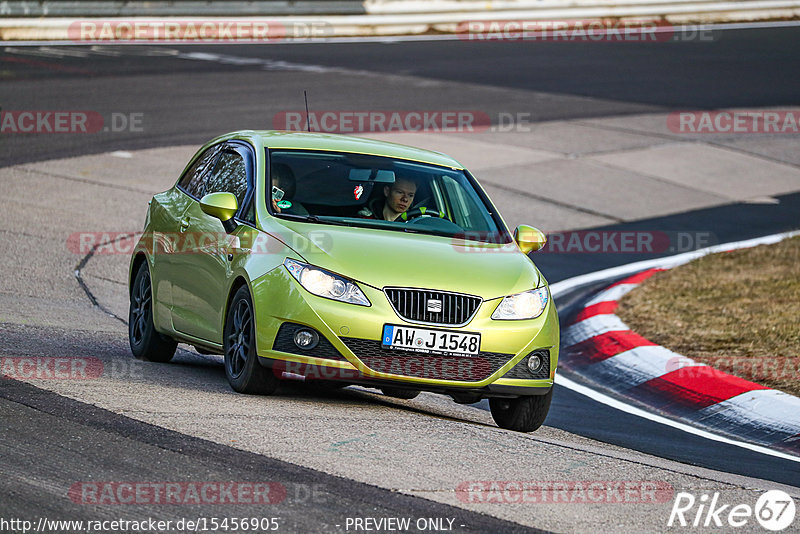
420, 212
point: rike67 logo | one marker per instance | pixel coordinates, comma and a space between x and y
774, 511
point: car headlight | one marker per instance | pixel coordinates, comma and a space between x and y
324, 284
527, 305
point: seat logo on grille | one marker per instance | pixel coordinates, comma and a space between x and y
434, 305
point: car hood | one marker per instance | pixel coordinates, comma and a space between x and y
383, 258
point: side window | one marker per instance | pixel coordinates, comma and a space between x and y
192, 180
229, 175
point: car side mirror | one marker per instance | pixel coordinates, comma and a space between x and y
529, 239
221, 205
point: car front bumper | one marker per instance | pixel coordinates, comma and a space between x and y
350, 348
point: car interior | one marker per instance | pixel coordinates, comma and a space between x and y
334, 189
348, 188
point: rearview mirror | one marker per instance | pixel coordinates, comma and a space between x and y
529, 239
382, 176
221, 205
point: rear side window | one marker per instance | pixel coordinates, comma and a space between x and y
229, 175
192, 180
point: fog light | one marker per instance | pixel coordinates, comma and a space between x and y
306, 339
534, 363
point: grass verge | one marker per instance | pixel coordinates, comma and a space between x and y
737, 311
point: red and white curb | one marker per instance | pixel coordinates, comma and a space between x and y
598, 348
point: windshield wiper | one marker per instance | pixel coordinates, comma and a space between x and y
431, 231
313, 218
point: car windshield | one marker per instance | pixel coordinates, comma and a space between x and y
380, 192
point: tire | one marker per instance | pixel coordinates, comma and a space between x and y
242, 369
522, 414
400, 393
146, 343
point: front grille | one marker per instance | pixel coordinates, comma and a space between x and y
432, 307
416, 365
521, 369
284, 342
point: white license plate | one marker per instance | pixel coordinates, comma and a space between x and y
430, 341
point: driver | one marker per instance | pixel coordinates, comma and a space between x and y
398, 197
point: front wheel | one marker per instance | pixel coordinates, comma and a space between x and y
244, 373
522, 414
146, 343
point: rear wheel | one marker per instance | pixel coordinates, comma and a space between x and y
400, 393
244, 373
146, 343
523, 414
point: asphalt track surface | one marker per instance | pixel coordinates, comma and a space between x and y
119, 448
195, 99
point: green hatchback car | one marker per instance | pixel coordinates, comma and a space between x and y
344, 261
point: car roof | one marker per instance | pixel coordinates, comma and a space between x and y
345, 143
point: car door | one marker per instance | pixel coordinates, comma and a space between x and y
202, 270
169, 208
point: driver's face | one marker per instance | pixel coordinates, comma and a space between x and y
400, 195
